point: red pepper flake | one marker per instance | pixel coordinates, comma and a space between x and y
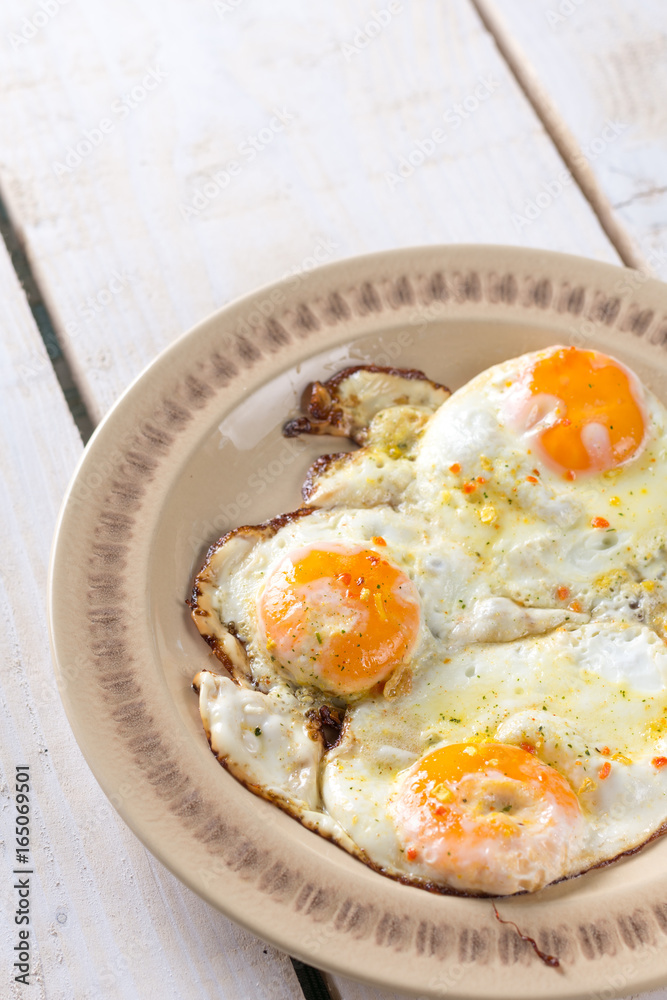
469, 487
481, 480
378, 540
531, 479
528, 747
345, 579
562, 593
536, 472
411, 853
605, 751
659, 762
455, 468
604, 771
599, 522
570, 475
576, 607
360, 582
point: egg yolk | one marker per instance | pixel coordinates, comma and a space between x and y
598, 422
340, 617
490, 817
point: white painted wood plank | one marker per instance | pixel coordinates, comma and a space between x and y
139, 240
134, 239
107, 919
604, 64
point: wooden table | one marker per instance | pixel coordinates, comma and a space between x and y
158, 160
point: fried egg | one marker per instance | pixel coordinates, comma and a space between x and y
597, 697
560, 491
451, 659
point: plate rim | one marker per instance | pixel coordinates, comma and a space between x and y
647, 288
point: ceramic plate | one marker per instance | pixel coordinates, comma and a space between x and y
193, 448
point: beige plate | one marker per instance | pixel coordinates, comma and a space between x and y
193, 448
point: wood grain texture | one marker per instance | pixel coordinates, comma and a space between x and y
146, 229
604, 64
107, 919
134, 239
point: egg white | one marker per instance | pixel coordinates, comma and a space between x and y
571, 694
536, 626
532, 526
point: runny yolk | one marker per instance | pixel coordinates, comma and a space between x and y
339, 617
598, 422
490, 817
530, 779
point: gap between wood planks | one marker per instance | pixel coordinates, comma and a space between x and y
42, 318
559, 133
311, 980
534, 91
